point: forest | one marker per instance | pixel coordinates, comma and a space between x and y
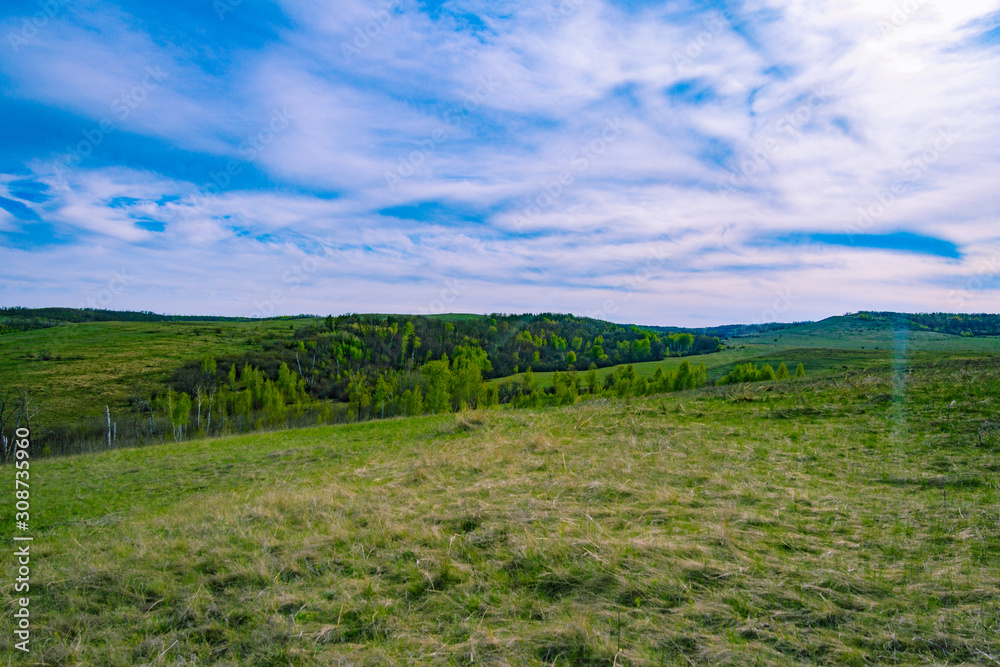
336, 355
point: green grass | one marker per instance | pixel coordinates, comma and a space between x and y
847, 518
74, 370
831, 345
850, 332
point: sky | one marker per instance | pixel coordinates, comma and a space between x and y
667, 163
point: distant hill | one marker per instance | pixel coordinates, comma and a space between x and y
88, 362
956, 324
27, 319
731, 330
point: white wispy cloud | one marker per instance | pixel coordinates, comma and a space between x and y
674, 163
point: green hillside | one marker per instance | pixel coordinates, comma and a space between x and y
846, 518
74, 368
854, 332
823, 346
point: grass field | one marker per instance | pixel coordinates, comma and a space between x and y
74, 370
830, 345
846, 518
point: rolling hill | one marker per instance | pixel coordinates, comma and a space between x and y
844, 518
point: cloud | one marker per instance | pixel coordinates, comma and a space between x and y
659, 162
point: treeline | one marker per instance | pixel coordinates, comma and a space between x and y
749, 372
958, 324
243, 398
329, 353
19, 319
390, 365
15, 324
733, 330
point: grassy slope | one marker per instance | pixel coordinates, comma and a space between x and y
849, 332
91, 365
846, 519
829, 345
76, 369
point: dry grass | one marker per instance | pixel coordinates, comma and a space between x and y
808, 525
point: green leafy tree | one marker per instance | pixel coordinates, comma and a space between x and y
683, 378
287, 383
528, 381
274, 406
782, 372
642, 349
243, 406
680, 342
489, 396
565, 390
663, 380
359, 396
413, 401
383, 393
800, 371
408, 333
467, 368
435, 376
177, 406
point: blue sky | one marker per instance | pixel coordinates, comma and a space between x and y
656, 162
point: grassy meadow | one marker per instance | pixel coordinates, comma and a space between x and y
849, 517
832, 345
74, 370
